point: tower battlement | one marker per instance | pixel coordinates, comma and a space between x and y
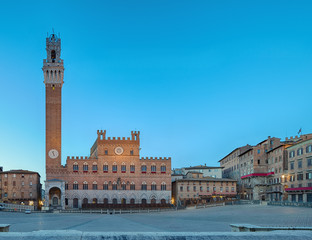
77, 158
155, 159
102, 137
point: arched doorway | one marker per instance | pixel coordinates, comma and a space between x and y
132, 201
85, 201
105, 200
55, 197
114, 200
163, 201
75, 203
153, 201
143, 201
123, 201
94, 201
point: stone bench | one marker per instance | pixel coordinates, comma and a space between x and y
4, 227
254, 228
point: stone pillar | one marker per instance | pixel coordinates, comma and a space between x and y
304, 197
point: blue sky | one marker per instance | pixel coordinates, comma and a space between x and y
197, 78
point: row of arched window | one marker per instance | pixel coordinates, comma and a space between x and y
115, 201
114, 168
114, 186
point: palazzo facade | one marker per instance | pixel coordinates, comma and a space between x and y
113, 173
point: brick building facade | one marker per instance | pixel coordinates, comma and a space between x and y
113, 174
20, 187
193, 188
265, 169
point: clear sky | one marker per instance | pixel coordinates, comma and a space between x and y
197, 78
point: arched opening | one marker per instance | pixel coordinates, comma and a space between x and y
75, 203
123, 201
143, 201
132, 201
163, 201
55, 197
53, 55
114, 200
94, 200
153, 201
105, 200
85, 201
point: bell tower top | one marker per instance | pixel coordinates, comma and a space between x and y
53, 66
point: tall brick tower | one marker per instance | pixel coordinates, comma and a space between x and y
53, 70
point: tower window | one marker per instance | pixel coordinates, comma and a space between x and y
53, 55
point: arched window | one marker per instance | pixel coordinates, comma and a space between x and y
132, 186
153, 186
123, 167
114, 186
75, 185
123, 186
94, 185
163, 168
75, 167
114, 167
132, 168
53, 55
94, 200
85, 185
105, 186
94, 167
144, 186
143, 168
163, 186
105, 167
85, 167
153, 168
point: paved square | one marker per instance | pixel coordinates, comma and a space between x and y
215, 219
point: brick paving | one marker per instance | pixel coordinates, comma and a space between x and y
215, 219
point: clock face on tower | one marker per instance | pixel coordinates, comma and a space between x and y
118, 150
53, 153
